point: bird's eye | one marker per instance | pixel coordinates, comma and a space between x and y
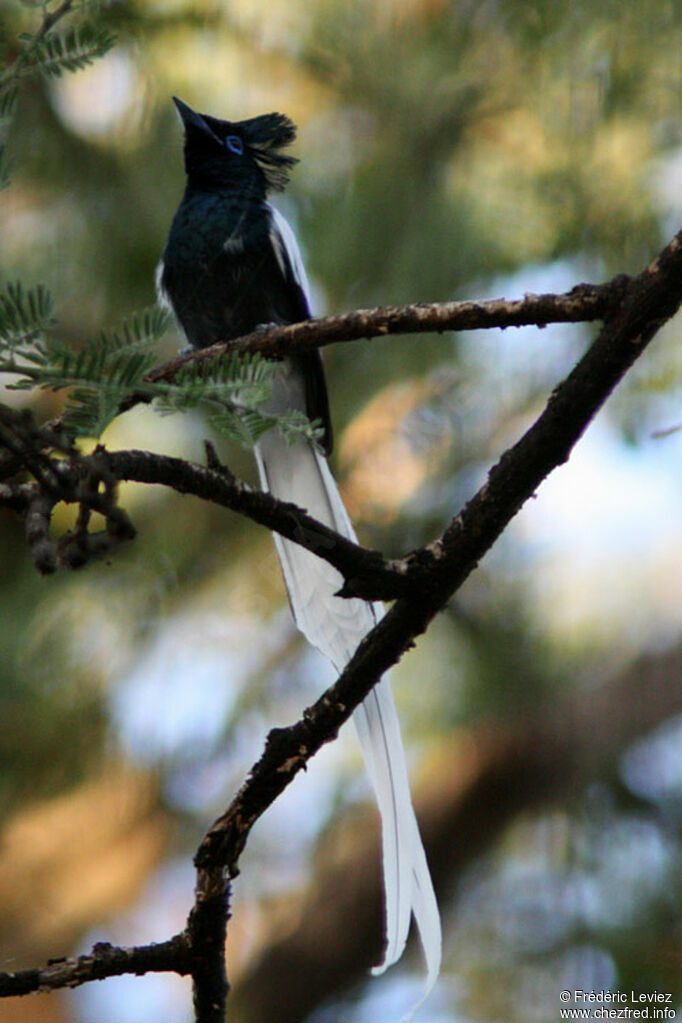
234, 144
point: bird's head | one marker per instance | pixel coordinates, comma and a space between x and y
232, 152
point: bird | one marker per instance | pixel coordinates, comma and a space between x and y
232, 265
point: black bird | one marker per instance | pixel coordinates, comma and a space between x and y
231, 264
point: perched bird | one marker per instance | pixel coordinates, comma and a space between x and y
232, 264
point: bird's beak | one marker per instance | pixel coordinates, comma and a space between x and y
189, 118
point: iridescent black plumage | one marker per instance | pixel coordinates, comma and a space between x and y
226, 268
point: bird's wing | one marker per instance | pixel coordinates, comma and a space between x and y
288, 254
308, 365
300, 473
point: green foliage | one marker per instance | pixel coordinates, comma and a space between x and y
49, 52
103, 373
247, 378
68, 51
110, 369
24, 315
231, 392
8, 102
100, 375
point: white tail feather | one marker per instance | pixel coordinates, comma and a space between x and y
336, 626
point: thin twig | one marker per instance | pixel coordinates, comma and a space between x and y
104, 960
50, 18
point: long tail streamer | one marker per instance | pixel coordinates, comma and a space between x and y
335, 626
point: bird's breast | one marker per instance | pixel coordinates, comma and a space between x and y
212, 268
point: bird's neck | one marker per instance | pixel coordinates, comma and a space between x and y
216, 177
217, 211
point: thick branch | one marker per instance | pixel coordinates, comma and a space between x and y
206, 933
649, 301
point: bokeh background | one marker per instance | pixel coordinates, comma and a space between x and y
448, 149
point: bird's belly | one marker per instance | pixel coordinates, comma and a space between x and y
218, 300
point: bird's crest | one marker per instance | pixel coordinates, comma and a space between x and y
264, 135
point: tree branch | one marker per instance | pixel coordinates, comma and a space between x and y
649, 301
584, 303
366, 572
61, 473
283, 517
18, 66
104, 960
206, 933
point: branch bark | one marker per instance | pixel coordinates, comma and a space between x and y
105, 960
583, 304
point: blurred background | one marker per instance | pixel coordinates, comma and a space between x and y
448, 150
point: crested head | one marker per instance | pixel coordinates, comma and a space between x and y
225, 151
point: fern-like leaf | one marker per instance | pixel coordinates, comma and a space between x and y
71, 50
294, 425
246, 380
90, 409
243, 425
105, 371
24, 314
100, 374
136, 333
6, 168
8, 103
232, 393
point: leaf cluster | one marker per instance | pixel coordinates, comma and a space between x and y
49, 51
112, 367
72, 50
232, 392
